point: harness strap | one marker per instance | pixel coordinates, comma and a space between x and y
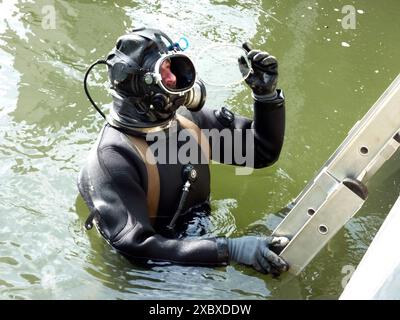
153, 176
198, 135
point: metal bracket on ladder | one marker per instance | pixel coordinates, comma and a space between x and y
338, 191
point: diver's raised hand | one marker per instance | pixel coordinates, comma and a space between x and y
256, 252
264, 76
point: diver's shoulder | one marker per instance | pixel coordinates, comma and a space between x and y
113, 141
110, 137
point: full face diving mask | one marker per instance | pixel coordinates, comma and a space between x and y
136, 72
134, 68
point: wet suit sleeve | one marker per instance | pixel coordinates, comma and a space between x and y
267, 128
120, 200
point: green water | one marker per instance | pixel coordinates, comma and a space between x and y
331, 77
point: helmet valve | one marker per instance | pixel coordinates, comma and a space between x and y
148, 78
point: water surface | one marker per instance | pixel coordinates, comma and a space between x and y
331, 77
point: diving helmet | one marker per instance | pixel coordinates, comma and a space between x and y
136, 69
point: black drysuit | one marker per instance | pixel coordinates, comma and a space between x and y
114, 183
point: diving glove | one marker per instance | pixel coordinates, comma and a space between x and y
263, 79
256, 252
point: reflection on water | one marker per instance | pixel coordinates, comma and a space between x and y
47, 128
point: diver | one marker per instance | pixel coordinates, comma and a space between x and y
138, 205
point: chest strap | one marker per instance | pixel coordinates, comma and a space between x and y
153, 177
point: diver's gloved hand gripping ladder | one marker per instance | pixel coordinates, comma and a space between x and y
339, 191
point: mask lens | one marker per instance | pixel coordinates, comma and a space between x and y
223, 65
177, 73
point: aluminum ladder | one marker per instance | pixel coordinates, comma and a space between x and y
339, 190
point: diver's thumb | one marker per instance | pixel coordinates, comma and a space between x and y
246, 46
